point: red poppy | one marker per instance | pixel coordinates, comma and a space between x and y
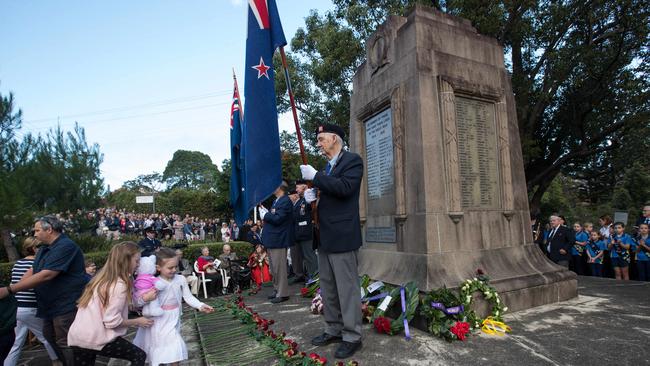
304, 291
382, 324
460, 329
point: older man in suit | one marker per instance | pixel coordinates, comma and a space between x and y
339, 241
277, 237
560, 241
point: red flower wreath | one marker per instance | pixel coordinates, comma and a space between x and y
382, 324
460, 329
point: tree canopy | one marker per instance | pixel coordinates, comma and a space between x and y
190, 170
55, 172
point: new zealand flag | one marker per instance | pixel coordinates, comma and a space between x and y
261, 140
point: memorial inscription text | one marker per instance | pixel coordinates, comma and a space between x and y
379, 153
477, 153
380, 224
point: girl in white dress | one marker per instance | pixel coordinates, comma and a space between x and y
163, 342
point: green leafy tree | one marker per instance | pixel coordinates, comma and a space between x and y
145, 183
12, 203
190, 170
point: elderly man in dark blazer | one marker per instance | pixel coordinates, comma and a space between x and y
560, 240
339, 241
277, 237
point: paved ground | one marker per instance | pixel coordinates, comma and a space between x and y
609, 323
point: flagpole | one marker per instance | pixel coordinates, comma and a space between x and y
303, 155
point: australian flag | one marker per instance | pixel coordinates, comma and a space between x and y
237, 199
261, 140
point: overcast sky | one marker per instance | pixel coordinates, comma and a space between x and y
144, 78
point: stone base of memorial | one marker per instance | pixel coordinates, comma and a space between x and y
444, 192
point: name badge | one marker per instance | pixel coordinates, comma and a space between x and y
302, 223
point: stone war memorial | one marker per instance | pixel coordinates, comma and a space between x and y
433, 115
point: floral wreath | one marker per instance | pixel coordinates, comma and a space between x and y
409, 295
449, 316
490, 294
445, 314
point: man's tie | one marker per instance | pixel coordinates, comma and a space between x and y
328, 168
553, 233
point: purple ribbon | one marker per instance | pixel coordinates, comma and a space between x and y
407, 334
311, 280
376, 297
449, 311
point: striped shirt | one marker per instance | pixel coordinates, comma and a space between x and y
26, 299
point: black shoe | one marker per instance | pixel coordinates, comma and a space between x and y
277, 300
272, 295
325, 339
347, 349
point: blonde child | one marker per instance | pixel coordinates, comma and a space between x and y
102, 317
163, 342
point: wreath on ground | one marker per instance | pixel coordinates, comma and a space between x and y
481, 284
445, 315
450, 316
409, 296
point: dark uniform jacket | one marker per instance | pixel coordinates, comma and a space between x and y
564, 238
338, 207
148, 246
278, 227
303, 228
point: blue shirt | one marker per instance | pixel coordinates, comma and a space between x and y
601, 247
59, 295
625, 239
641, 255
581, 237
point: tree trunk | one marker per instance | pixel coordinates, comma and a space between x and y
536, 199
12, 253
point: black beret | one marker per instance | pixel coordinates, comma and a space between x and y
149, 229
328, 127
293, 191
300, 181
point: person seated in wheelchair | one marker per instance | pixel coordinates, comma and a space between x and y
240, 275
227, 258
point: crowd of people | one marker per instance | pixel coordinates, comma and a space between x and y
115, 223
609, 250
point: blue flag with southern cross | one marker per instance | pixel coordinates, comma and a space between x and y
261, 140
237, 197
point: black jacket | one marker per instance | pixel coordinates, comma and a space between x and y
148, 247
278, 227
303, 226
338, 207
564, 238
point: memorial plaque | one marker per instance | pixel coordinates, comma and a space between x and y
381, 234
477, 153
380, 178
379, 154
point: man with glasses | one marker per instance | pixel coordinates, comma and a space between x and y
58, 278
